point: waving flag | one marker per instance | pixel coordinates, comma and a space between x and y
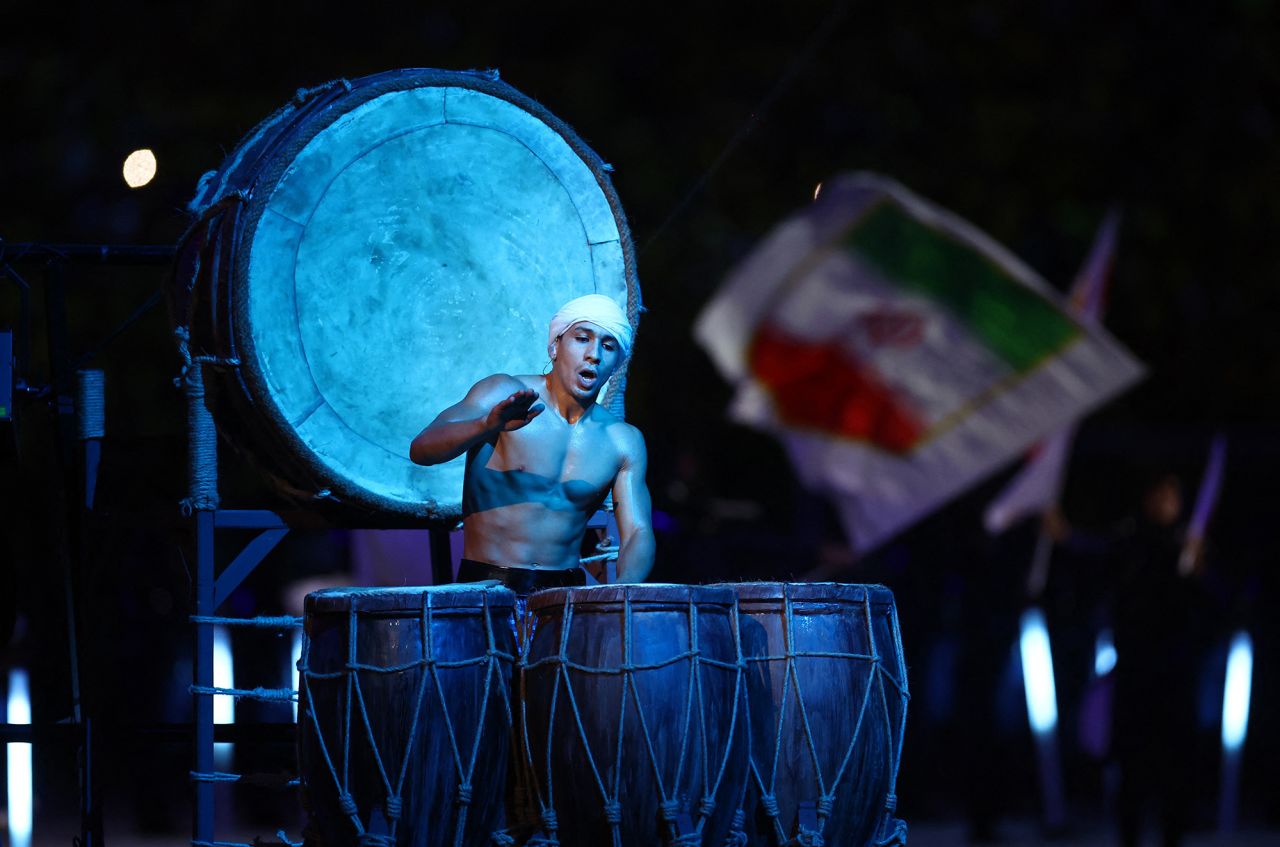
1038, 484
900, 353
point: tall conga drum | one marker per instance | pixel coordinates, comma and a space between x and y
633, 715
356, 248
405, 720
827, 693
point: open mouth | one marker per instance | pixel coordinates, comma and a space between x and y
587, 377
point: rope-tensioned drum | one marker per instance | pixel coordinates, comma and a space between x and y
631, 700
827, 690
371, 250
406, 716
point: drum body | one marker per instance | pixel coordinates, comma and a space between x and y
828, 694
633, 716
405, 714
368, 253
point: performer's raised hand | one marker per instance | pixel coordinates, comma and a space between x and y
515, 411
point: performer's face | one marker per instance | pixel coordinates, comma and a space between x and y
585, 356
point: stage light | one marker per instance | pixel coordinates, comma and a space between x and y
295, 656
1236, 694
1037, 672
139, 168
1104, 654
19, 762
224, 705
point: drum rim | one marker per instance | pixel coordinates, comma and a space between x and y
877, 594
408, 598
616, 594
298, 454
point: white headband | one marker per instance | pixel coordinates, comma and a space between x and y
593, 308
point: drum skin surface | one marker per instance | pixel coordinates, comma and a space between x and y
373, 249
841, 696
391, 749
622, 721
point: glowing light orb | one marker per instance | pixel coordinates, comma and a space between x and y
1037, 672
139, 168
19, 764
1235, 697
1104, 654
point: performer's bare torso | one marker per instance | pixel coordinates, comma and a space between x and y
528, 495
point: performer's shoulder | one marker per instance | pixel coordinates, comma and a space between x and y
626, 437
503, 384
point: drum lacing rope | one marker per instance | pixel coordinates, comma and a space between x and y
791, 680
260, 780
202, 457
257, 842
891, 831
302, 95
611, 805
355, 702
266, 695
90, 405
262, 622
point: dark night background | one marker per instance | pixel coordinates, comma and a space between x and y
1028, 119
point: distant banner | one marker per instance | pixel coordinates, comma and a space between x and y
899, 353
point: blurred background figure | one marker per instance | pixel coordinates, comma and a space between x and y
1159, 637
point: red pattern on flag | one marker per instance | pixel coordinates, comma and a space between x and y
821, 386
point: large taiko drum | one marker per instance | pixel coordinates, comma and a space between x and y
633, 715
827, 691
368, 252
405, 721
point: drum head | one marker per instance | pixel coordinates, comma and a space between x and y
411, 238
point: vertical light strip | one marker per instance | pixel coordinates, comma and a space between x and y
19, 764
224, 705
295, 656
1237, 692
1037, 672
224, 676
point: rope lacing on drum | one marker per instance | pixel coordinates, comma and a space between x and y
550, 826
355, 706
502, 838
737, 835
890, 832
669, 807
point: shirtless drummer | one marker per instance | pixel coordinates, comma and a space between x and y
541, 457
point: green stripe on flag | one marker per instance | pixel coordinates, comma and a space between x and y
1019, 326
